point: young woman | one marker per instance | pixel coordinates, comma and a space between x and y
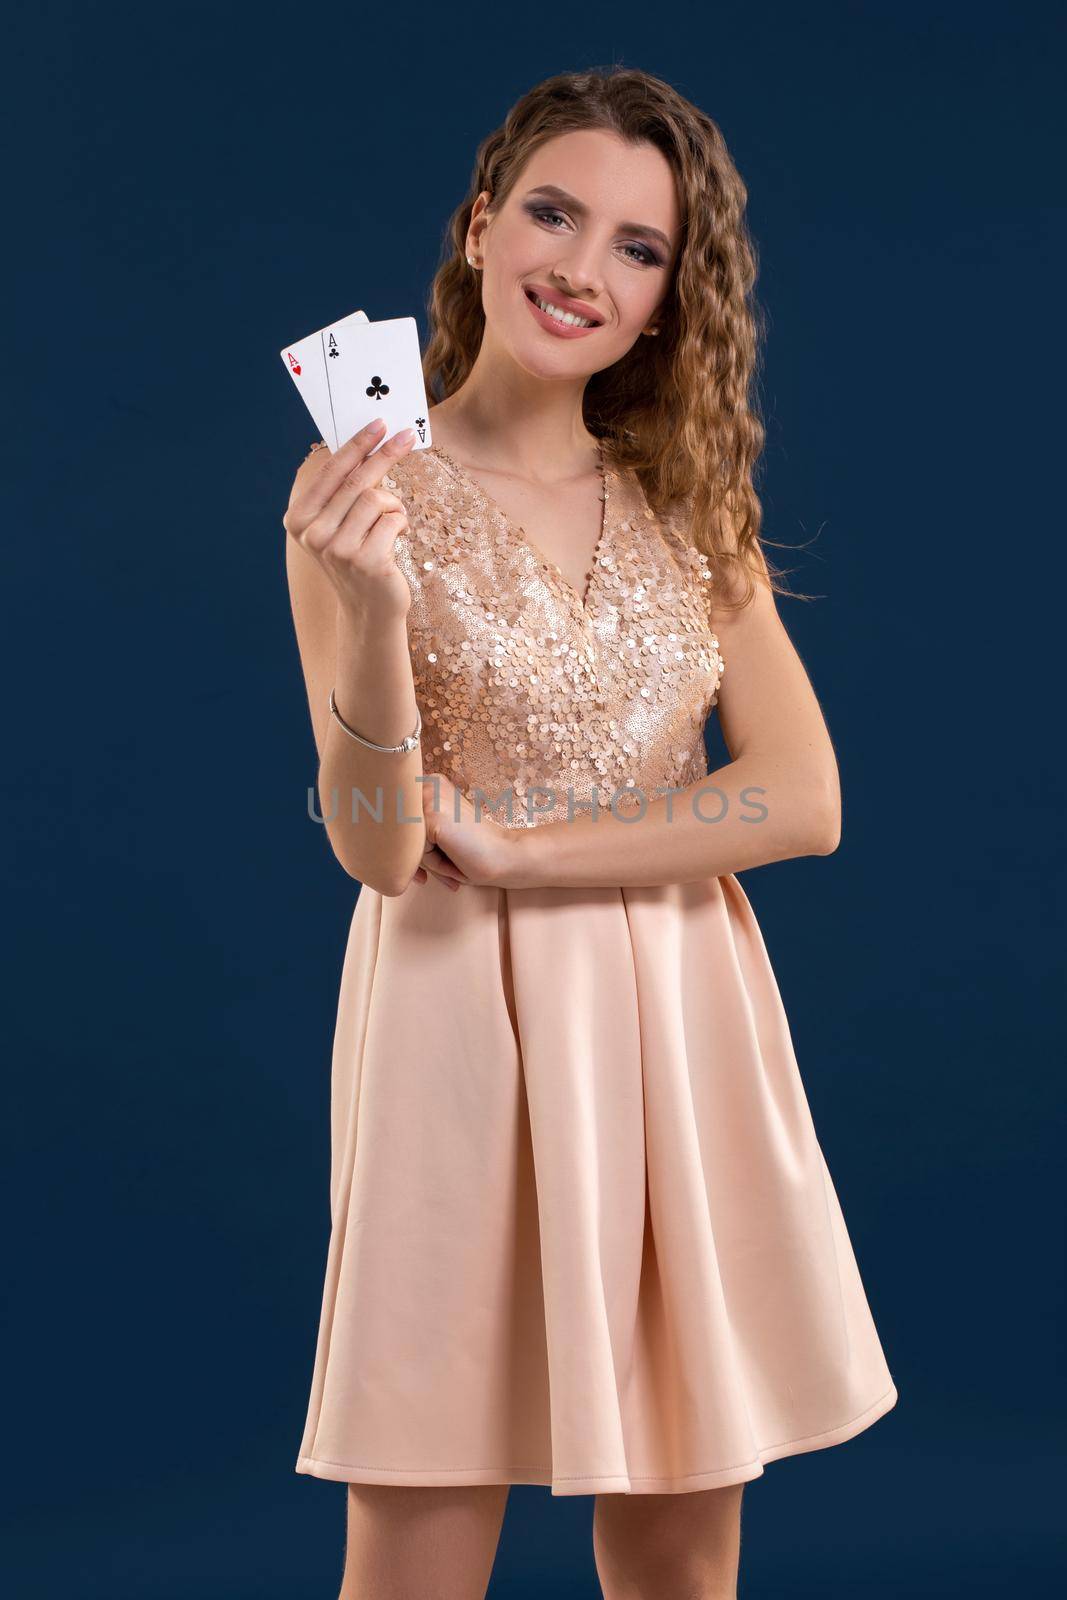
583, 1233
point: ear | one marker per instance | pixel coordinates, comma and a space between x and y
478, 219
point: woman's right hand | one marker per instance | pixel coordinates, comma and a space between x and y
338, 513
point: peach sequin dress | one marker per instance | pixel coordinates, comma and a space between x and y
583, 1233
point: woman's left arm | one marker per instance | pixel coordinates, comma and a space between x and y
779, 796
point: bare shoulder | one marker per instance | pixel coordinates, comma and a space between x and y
747, 572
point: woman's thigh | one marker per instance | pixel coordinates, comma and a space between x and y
684, 1545
407, 1542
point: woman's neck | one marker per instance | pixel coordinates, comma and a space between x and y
530, 429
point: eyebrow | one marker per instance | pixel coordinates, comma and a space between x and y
552, 192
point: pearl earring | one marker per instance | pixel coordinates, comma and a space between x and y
470, 261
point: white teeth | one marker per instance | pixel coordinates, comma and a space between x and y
567, 317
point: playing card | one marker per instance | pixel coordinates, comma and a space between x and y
360, 371
374, 369
305, 362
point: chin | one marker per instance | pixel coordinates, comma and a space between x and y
545, 357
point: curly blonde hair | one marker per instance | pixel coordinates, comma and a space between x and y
680, 409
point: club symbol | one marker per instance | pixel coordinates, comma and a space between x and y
420, 423
377, 388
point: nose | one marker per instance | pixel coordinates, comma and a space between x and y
578, 274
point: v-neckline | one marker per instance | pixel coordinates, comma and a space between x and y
519, 534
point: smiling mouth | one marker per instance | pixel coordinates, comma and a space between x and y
566, 319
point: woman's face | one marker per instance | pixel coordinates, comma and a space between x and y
591, 220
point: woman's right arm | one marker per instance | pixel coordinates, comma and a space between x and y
350, 602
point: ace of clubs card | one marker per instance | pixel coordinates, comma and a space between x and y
354, 371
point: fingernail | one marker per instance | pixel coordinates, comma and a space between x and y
405, 437
378, 426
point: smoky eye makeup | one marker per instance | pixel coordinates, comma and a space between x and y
648, 258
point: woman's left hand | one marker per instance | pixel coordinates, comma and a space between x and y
474, 850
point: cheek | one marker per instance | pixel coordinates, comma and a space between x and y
648, 295
635, 304
512, 255
502, 281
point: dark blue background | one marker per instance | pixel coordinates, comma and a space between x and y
194, 186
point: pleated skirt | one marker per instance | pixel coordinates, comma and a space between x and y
582, 1230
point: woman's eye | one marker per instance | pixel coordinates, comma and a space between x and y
646, 259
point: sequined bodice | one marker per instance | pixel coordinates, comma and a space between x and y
527, 693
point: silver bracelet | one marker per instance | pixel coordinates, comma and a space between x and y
389, 749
